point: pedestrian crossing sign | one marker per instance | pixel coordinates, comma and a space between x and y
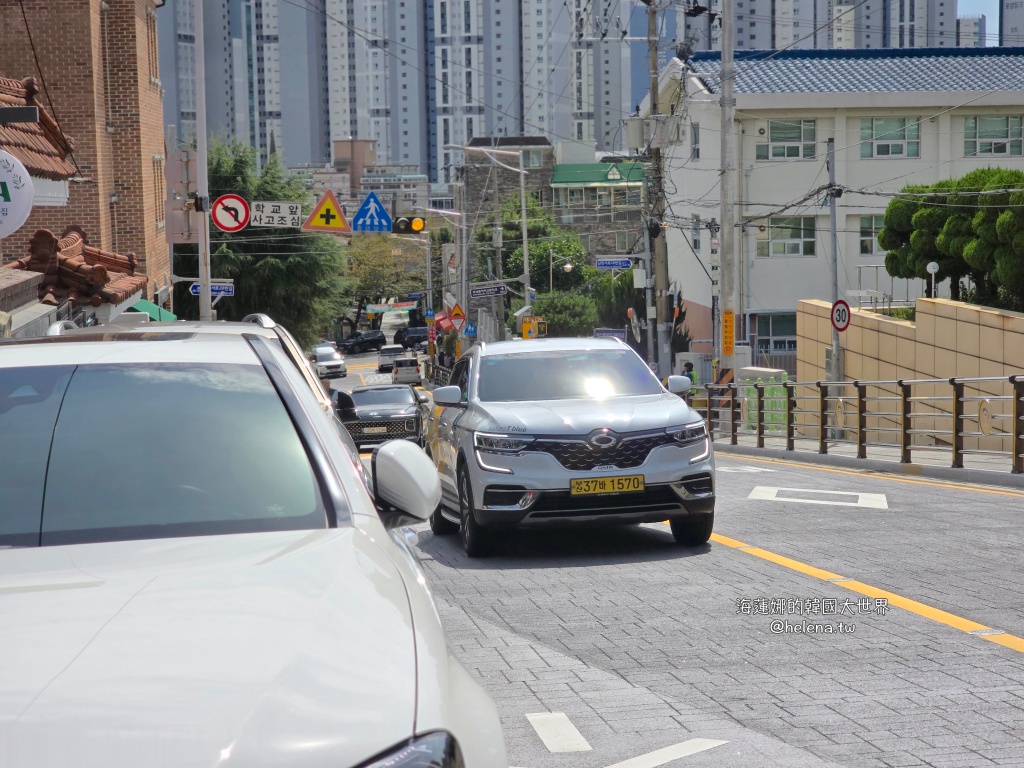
371, 216
327, 216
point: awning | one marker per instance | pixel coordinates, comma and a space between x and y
159, 314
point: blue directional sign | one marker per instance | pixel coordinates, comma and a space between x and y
416, 295
216, 289
470, 329
429, 313
614, 263
615, 333
371, 216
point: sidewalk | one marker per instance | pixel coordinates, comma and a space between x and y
926, 461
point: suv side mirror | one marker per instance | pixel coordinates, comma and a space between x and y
680, 385
448, 396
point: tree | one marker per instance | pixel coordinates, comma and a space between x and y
296, 278
383, 268
548, 259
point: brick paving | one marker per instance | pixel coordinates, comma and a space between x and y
640, 643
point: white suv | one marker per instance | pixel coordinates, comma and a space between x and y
387, 355
556, 431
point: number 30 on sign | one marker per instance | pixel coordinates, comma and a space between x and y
840, 315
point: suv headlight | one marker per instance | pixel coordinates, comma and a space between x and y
492, 443
435, 750
689, 433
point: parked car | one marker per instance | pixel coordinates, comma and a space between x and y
387, 355
422, 346
377, 413
329, 363
410, 337
567, 431
232, 589
406, 370
362, 341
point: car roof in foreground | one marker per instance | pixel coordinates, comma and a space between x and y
124, 348
567, 344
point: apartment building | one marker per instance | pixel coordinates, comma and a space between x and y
898, 117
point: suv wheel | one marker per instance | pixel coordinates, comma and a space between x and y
693, 530
440, 525
476, 539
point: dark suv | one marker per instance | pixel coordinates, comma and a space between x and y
363, 341
410, 337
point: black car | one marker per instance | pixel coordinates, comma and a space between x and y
410, 337
380, 412
363, 341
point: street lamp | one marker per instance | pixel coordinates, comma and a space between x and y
566, 267
490, 152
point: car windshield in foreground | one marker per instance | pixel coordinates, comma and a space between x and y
592, 374
397, 395
224, 457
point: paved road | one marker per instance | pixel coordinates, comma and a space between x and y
645, 647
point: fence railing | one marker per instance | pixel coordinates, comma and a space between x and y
978, 418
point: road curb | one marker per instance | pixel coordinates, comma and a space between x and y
972, 476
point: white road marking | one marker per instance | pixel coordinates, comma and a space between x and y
668, 754
869, 500
557, 732
744, 469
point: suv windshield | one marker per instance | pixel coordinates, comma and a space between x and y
383, 396
565, 374
326, 355
225, 459
391, 351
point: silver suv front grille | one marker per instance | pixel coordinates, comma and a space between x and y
630, 451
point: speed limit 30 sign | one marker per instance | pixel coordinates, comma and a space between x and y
840, 315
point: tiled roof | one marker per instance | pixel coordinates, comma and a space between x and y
74, 270
41, 146
598, 173
873, 70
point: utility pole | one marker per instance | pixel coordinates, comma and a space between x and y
727, 273
832, 195
202, 173
659, 248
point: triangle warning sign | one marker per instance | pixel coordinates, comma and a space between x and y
327, 216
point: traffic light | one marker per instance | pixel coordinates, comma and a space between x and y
409, 225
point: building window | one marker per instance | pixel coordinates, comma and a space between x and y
469, 128
776, 333
788, 139
532, 158
890, 137
160, 190
579, 131
575, 197
695, 142
152, 47
695, 233
870, 226
786, 236
992, 135
622, 241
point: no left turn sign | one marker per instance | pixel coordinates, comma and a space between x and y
230, 213
840, 315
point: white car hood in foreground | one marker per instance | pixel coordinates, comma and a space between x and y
260, 649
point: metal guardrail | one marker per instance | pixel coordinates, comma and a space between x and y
977, 417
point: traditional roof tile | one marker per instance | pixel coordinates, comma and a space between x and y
41, 147
74, 270
869, 70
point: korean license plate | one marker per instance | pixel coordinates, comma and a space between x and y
621, 484
374, 430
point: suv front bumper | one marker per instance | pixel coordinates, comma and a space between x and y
536, 491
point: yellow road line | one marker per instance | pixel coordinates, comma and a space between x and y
855, 473
913, 606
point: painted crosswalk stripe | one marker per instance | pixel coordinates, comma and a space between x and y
557, 732
668, 754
